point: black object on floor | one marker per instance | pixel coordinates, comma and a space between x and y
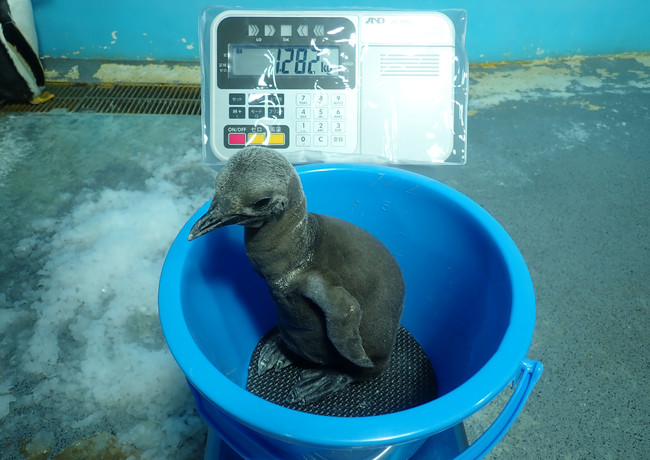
407, 382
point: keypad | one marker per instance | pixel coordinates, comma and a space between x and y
303, 119
259, 106
320, 119
256, 116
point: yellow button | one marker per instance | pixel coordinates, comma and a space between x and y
256, 138
260, 138
277, 139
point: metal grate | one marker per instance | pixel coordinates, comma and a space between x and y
118, 98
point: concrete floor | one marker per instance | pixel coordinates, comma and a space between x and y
559, 154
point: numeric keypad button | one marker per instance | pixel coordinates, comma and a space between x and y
320, 127
320, 113
303, 140
338, 99
303, 99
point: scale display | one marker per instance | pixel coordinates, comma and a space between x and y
253, 61
353, 83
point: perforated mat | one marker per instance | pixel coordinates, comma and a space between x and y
408, 381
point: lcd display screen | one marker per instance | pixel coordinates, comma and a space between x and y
293, 61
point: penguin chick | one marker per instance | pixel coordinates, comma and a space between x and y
339, 292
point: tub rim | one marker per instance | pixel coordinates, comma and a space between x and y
343, 432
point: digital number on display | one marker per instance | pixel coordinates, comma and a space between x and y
282, 60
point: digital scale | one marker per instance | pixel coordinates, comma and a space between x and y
344, 84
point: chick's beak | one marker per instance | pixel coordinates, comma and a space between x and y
212, 220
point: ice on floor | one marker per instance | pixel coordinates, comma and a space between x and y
93, 358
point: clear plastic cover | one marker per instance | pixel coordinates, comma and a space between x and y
371, 86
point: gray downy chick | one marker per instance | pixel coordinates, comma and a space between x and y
339, 292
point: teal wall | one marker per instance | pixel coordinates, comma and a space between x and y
497, 30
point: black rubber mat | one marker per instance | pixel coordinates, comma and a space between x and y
408, 381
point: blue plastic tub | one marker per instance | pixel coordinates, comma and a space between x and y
469, 303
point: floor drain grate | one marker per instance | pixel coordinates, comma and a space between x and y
118, 98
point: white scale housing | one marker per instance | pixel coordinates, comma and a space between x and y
377, 84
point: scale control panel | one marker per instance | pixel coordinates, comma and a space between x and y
361, 82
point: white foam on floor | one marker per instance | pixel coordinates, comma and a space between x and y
96, 343
17, 143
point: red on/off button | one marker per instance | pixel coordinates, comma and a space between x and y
237, 139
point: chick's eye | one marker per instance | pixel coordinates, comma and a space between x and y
262, 203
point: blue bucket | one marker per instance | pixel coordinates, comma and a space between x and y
469, 303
